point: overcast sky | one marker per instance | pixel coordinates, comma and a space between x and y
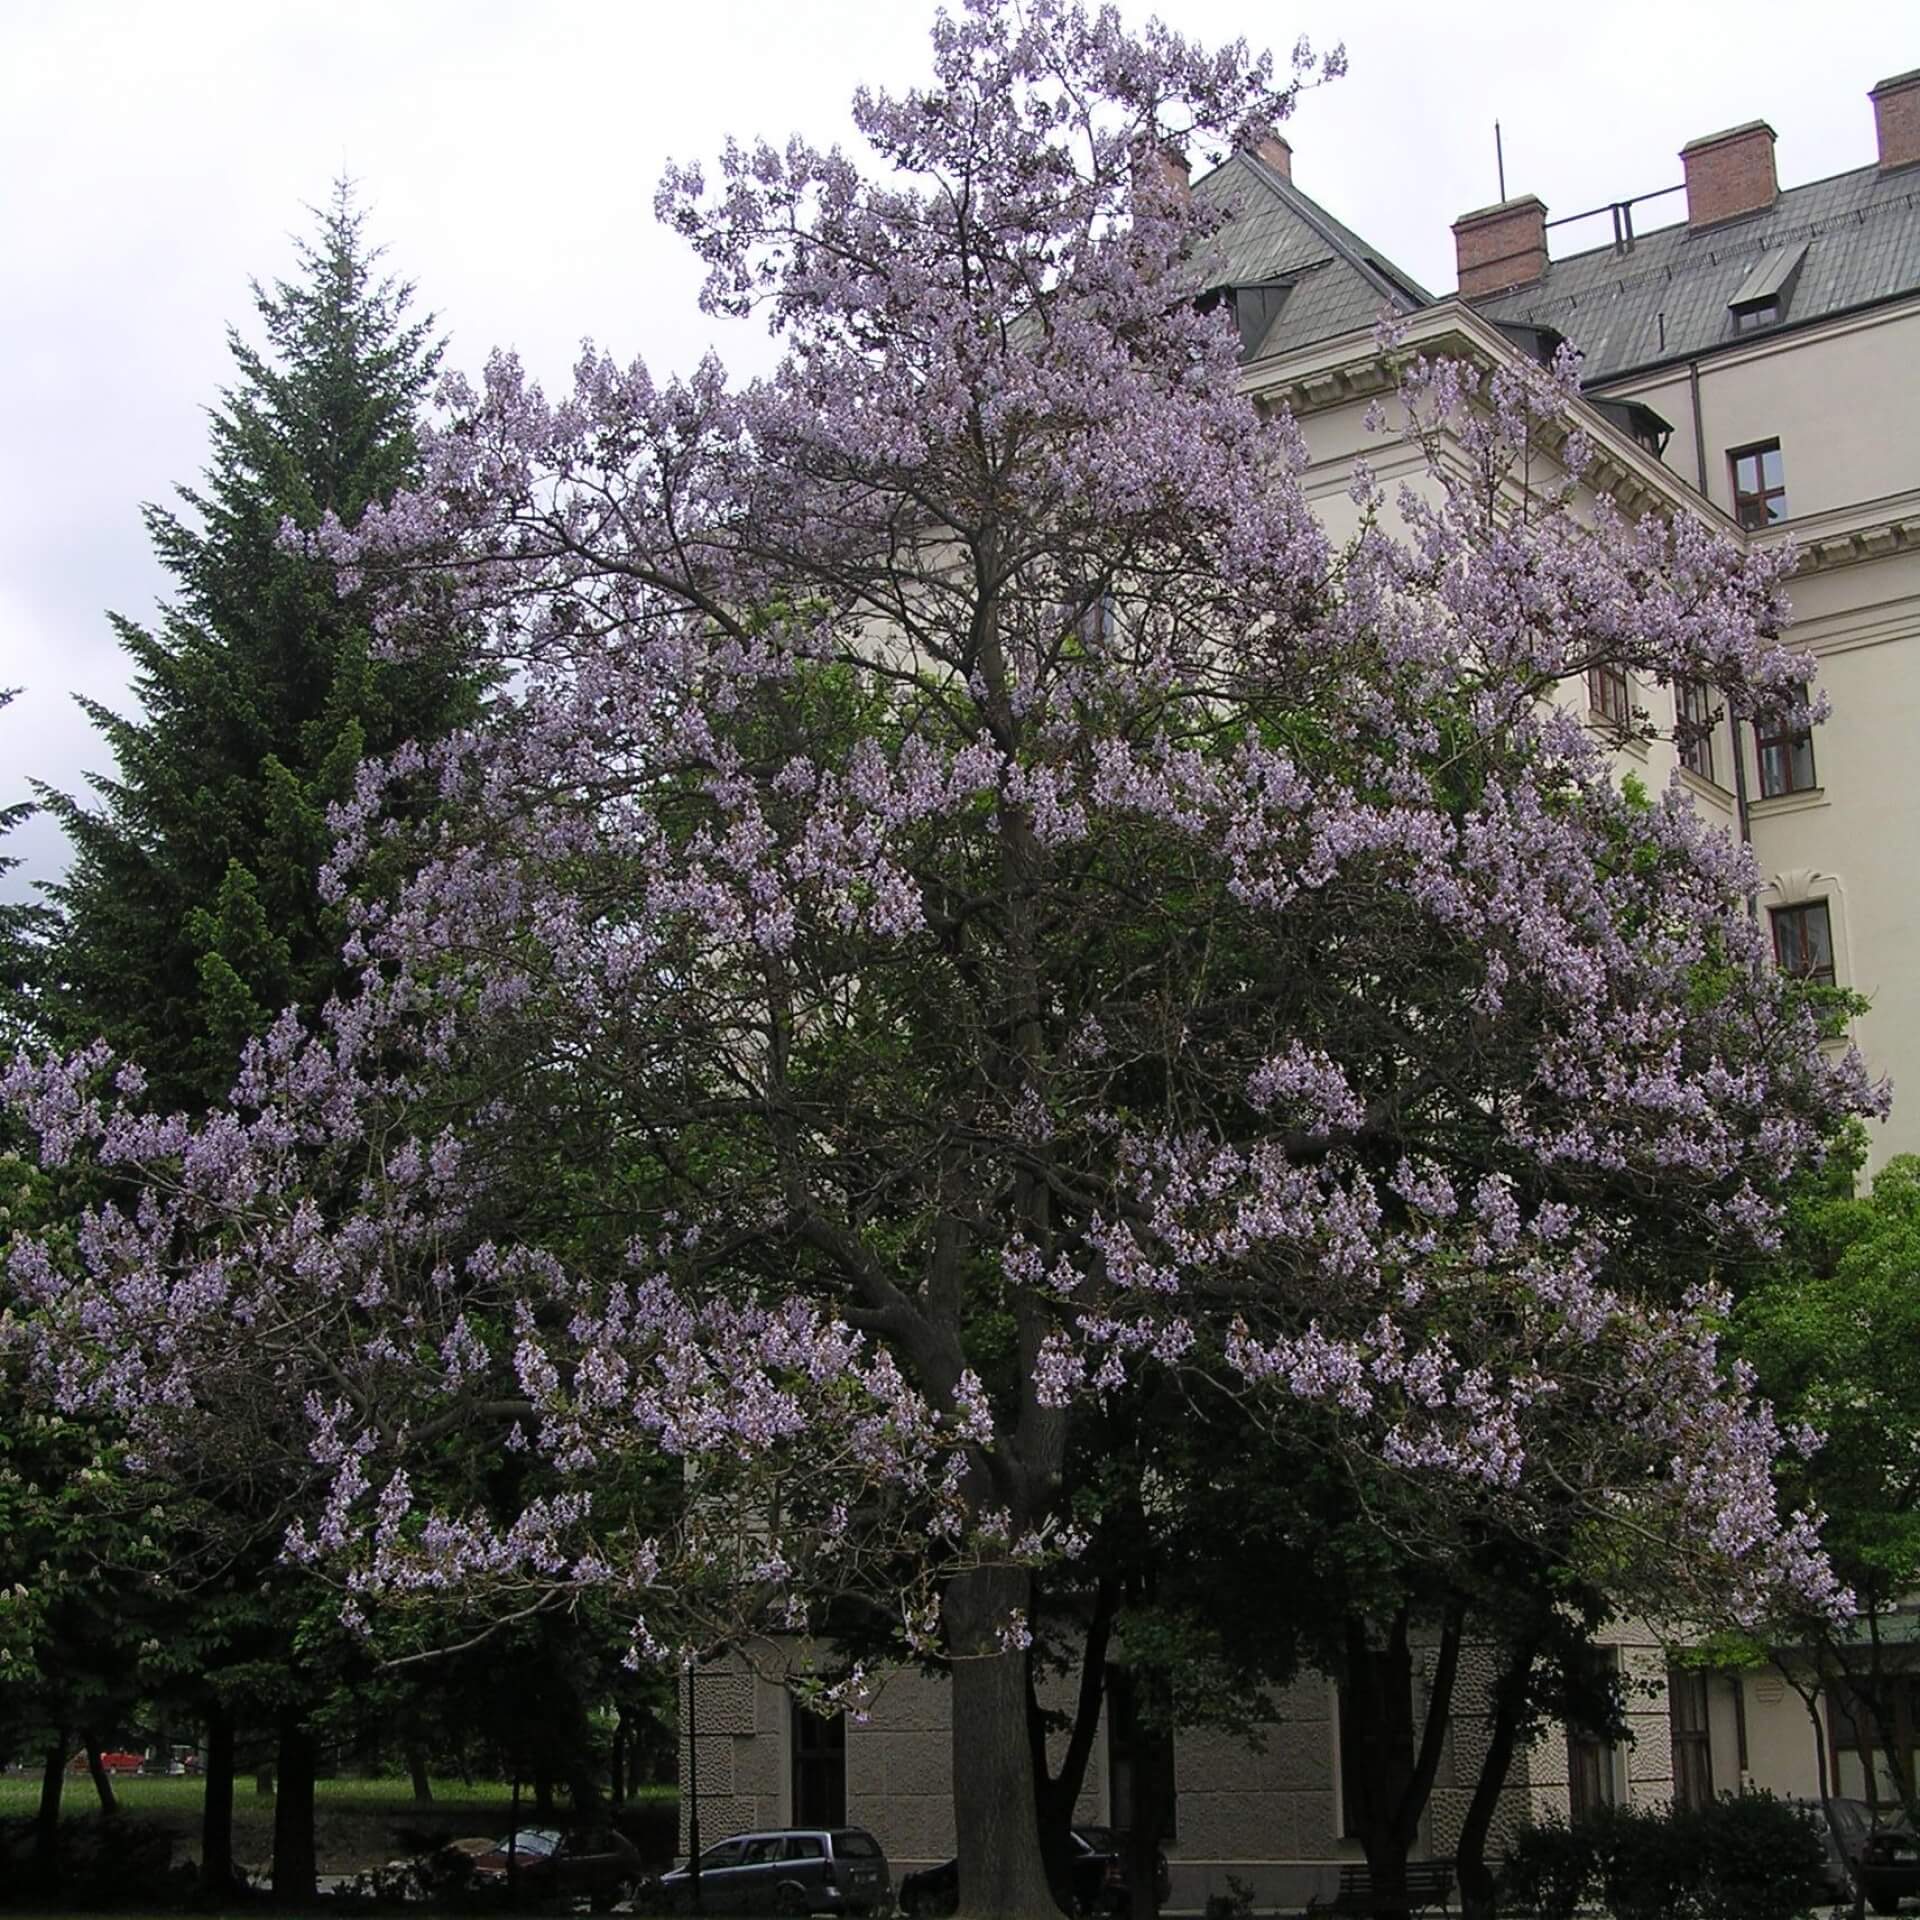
157, 153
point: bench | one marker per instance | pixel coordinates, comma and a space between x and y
1429, 1886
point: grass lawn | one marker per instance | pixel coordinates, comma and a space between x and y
357, 1823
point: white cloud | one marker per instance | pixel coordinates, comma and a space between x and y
158, 155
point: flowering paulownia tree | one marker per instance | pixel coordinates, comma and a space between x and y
986, 903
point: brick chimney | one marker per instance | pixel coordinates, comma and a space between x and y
1896, 119
1501, 247
1729, 174
1162, 161
1275, 151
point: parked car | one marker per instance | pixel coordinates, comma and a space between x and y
791, 1870
115, 1760
1098, 1867
598, 1862
1888, 1864
1876, 1851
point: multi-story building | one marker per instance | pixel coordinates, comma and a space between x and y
1758, 364
1778, 332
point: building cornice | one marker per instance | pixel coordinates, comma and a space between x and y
1844, 536
1352, 366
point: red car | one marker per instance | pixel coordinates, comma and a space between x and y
599, 1862
116, 1761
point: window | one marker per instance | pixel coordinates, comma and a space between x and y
819, 1769
1093, 618
1592, 1764
1695, 715
1692, 1740
1803, 941
1755, 315
1759, 485
1589, 1774
1786, 761
1139, 1758
805, 1846
1862, 1767
1608, 696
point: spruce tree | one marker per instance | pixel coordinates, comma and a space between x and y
23, 927
191, 916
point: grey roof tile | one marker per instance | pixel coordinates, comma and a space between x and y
1336, 282
1668, 297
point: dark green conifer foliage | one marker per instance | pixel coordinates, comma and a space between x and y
23, 928
190, 912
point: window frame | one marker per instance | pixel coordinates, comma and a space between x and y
1788, 746
1697, 728
1761, 496
1592, 1754
1610, 697
1849, 1732
817, 1761
1791, 910
1690, 1731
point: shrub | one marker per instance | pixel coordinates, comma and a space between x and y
1548, 1870
1764, 1859
1649, 1860
1746, 1856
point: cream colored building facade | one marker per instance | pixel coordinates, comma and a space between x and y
1758, 365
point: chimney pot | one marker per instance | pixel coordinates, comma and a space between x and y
1161, 161
1896, 120
1274, 150
1500, 247
1730, 174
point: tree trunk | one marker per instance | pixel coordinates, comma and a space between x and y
293, 1849
46, 1825
617, 1767
1470, 1853
543, 1791
1056, 1794
417, 1773
216, 1813
1152, 1788
1002, 1875
1395, 1779
102, 1780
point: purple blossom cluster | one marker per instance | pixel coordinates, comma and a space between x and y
953, 823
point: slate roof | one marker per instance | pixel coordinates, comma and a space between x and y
1330, 281
1668, 298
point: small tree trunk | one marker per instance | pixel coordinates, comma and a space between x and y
46, 1824
1002, 1874
1152, 1795
417, 1773
1470, 1854
294, 1864
102, 1779
543, 1791
216, 1812
1057, 1794
617, 1765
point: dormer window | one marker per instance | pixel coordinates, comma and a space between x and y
1762, 298
1253, 306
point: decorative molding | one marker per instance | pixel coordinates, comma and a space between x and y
1803, 802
